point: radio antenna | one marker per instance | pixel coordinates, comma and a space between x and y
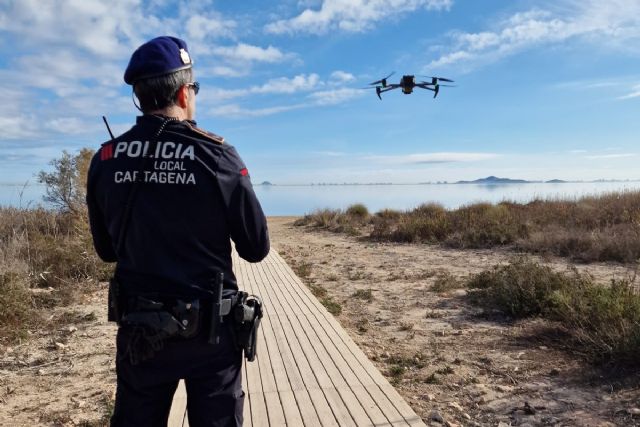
108, 128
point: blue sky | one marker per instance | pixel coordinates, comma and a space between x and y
546, 89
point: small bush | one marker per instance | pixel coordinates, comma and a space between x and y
522, 288
446, 282
302, 269
396, 370
331, 306
364, 294
433, 379
603, 320
358, 211
16, 304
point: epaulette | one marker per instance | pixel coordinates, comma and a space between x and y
209, 135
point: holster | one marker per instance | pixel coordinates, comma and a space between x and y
247, 315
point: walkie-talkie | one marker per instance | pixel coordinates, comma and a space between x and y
216, 310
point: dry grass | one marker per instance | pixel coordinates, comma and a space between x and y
46, 259
604, 321
595, 228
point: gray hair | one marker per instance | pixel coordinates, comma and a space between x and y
156, 93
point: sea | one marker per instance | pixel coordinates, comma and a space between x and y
284, 200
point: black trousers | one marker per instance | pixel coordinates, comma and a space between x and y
212, 375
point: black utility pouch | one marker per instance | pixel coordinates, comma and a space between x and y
246, 315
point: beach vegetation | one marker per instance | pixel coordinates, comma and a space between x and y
603, 320
358, 211
47, 257
592, 228
363, 294
331, 305
446, 282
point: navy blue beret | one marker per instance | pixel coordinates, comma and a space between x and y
162, 55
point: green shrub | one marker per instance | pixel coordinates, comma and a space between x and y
331, 306
16, 305
604, 320
446, 282
521, 288
364, 294
358, 210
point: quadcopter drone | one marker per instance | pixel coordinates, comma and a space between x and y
408, 83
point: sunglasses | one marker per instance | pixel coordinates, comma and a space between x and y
195, 86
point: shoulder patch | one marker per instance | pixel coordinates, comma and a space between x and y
209, 135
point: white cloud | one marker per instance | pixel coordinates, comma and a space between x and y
426, 158
301, 82
67, 125
318, 96
335, 96
280, 85
235, 110
611, 156
200, 27
249, 53
615, 23
634, 93
350, 15
18, 127
67, 57
342, 76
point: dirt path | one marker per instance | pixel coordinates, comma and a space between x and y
448, 362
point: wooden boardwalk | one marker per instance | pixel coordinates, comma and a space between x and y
308, 371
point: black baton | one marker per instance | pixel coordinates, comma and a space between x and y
216, 307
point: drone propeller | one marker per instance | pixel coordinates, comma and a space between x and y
382, 81
435, 80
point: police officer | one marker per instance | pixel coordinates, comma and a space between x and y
165, 198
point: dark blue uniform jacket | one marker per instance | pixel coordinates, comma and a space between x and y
194, 194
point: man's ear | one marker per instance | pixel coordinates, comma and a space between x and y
182, 96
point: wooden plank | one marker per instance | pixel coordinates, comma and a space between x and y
303, 400
288, 402
347, 348
287, 273
329, 363
304, 407
254, 392
314, 375
246, 410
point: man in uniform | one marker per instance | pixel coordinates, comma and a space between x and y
164, 200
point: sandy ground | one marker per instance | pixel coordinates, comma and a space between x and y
453, 364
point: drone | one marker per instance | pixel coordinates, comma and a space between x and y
408, 83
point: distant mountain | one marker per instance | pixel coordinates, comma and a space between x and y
265, 183
495, 180
556, 181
